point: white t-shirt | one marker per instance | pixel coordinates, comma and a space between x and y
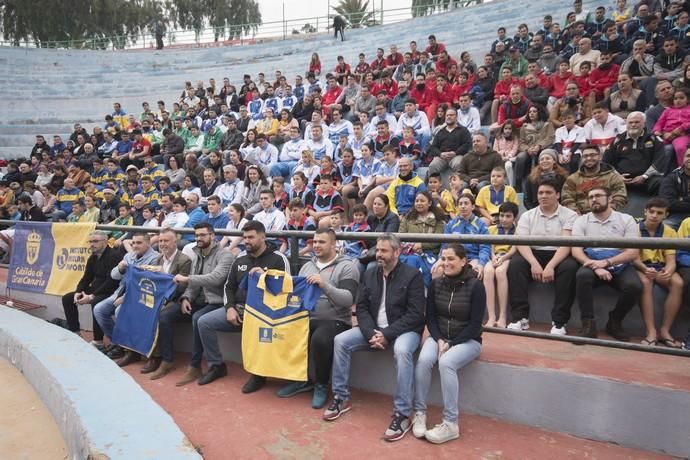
382, 318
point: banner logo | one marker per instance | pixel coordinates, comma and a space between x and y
148, 291
33, 247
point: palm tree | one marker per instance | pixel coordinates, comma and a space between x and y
424, 7
356, 12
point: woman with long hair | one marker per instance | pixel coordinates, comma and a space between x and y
627, 99
253, 183
249, 148
424, 217
236, 222
536, 134
456, 303
547, 166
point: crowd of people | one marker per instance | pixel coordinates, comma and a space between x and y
567, 121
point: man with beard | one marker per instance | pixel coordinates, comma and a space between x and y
259, 257
605, 265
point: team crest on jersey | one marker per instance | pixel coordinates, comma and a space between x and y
294, 301
265, 334
148, 290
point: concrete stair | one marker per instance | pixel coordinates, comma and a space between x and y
43, 87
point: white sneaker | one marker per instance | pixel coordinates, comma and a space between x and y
521, 325
555, 330
444, 432
419, 424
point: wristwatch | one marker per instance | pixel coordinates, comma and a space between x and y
645, 176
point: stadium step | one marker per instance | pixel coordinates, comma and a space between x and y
634, 399
31, 91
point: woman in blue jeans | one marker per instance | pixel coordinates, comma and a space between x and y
456, 303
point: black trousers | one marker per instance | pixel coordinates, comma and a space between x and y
520, 275
72, 314
321, 335
627, 283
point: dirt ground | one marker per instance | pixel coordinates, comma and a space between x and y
24, 420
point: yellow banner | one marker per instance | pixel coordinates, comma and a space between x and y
69, 257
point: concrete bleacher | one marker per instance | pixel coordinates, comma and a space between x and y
45, 91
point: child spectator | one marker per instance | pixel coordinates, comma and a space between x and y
490, 197
658, 266
77, 214
300, 190
328, 167
272, 218
409, 148
308, 166
326, 202
346, 187
450, 196
506, 143
359, 223
298, 221
434, 186
386, 175
365, 170
496, 269
568, 139
117, 236
281, 196
335, 223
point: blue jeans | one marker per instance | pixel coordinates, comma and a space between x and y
283, 169
404, 347
104, 311
451, 361
207, 326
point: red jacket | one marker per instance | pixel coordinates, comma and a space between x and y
444, 96
442, 67
515, 112
331, 95
391, 89
394, 59
502, 87
423, 98
558, 84
600, 79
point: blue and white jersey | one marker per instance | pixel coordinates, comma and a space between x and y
366, 170
342, 128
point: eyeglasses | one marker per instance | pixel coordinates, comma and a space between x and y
201, 235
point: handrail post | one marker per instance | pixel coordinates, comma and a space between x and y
294, 254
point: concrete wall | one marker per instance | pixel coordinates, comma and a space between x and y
100, 410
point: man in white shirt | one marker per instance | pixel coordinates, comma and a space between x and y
272, 218
319, 144
468, 115
543, 264
603, 127
232, 189
416, 119
606, 265
585, 54
290, 154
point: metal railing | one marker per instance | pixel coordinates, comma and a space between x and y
238, 34
624, 243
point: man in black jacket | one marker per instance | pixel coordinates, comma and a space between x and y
95, 285
676, 189
30, 212
173, 145
449, 145
390, 314
260, 256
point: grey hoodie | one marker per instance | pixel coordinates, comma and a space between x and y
342, 277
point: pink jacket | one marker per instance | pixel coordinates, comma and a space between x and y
673, 118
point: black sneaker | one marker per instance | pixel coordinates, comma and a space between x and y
215, 372
116, 352
615, 330
399, 426
255, 383
589, 328
337, 408
60, 322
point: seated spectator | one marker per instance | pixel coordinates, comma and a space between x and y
604, 265
675, 188
326, 202
273, 219
492, 196
254, 182
502, 90
449, 145
399, 327
640, 65
567, 142
475, 167
585, 54
603, 77
178, 217
66, 197
423, 218
408, 146
387, 173
648, 31
663, 93
496, 269
593, 172
674, 124
416, 119
298, 221
453, 347
534, 92
604, 126
627, 98
354, 249
536, 134
515, 108
638, 156
670, 61
402, 190
658, 267
506, 144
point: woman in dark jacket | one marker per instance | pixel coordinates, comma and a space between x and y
381, 220
456, 303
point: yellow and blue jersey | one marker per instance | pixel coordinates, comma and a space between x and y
657, 257
499, 230
275, 328
491, 199
401, 193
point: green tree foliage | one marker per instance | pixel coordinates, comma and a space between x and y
105, 23
424, 7
356, 12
